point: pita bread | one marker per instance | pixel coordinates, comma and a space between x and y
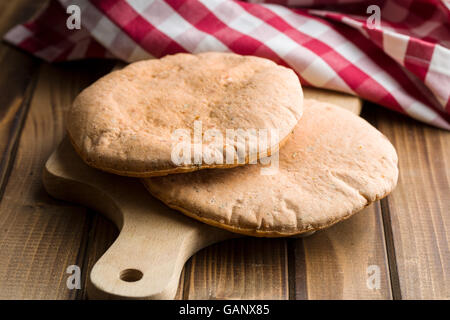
334, 164
123, 122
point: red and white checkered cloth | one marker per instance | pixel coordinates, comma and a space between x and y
404, 64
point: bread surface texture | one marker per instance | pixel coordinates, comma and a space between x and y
332, 166
124, 122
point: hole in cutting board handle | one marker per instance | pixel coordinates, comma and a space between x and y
131, 275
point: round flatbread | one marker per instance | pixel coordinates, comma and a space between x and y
334, 164
125, 122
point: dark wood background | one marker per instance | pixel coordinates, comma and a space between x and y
406, 234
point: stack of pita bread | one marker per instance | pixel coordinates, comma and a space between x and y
168, 121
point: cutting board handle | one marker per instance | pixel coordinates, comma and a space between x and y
146, 260
144, 263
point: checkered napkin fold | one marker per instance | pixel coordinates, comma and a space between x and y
402, 63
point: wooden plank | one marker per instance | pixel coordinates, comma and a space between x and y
102, 234
333, 263
15, 81
344, 100
245, 268
418, 211
40, 236
180, 290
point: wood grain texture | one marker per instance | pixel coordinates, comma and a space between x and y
418, 211
41, 236
102, 233
246, 268
16, 82
344, 100
333, 263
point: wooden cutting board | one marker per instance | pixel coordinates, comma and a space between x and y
146, 260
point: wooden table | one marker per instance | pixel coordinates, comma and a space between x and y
405, 236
